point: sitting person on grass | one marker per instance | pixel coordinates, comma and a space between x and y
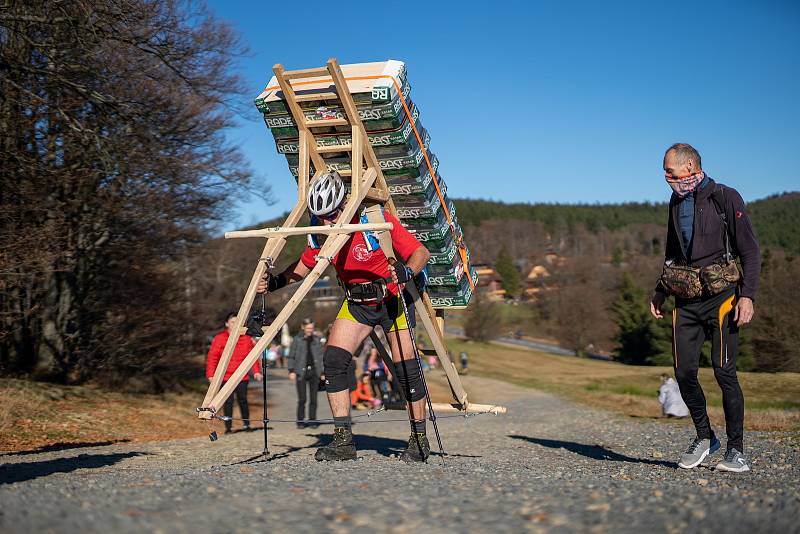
362, 397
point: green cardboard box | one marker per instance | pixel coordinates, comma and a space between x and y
447, 297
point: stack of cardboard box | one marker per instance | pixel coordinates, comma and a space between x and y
402, 145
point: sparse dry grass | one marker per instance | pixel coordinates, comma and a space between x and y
772, 400
37, 414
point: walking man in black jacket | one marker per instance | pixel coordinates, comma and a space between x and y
708, 227
305, 368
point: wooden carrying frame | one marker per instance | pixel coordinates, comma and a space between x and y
368, 185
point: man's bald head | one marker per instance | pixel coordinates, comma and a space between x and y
682, 155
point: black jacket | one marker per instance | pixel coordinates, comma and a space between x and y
297, 353
708, 243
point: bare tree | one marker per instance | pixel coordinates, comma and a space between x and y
114, 166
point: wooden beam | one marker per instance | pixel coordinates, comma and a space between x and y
376, 195
335, 72
424, 315
319, 72
215, 396
299, 118
304, 230
366, 183
459, 393
271, 249
334, 148
471, 408
328, 250
325, 95
304, 167
356, 157
321, 123
439, 320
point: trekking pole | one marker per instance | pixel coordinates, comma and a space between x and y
264, 377
264, 391
432, 414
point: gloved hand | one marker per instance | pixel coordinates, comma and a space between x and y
401, 273
270, 282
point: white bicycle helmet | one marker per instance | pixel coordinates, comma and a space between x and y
326, 194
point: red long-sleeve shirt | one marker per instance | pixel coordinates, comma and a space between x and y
355, 263
240, 351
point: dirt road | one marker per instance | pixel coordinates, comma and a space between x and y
546, 465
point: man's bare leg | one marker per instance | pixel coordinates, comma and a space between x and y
344, 339
407, 365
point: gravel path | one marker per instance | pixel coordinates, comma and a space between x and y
546, 465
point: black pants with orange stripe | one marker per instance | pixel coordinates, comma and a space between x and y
694, 322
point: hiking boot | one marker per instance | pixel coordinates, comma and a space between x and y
417, 450
697, 452
341, 448
734, 461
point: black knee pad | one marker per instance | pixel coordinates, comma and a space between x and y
337, 363
409, 375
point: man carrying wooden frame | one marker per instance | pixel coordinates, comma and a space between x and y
367, 185
372, 289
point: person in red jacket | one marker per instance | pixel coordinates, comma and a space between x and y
240, 351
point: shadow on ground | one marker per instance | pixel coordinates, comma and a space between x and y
20, 472
383, 446
64, 446
595, 452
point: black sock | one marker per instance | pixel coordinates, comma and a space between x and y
418, 426
342, 422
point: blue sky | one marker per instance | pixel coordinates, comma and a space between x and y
554, 101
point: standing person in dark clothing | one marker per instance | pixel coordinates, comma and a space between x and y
305, 368
240, 352
708, 229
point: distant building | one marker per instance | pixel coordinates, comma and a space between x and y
537, 272
490, 280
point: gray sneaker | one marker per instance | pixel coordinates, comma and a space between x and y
697, 452
734, 461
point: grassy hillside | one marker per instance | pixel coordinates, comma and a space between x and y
39, 415
776, 218
777, 221
771, 399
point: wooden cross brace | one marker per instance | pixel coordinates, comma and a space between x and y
367, 184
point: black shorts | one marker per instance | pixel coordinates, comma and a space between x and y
388, 314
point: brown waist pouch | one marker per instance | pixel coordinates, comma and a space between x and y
718, 277
682, 280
